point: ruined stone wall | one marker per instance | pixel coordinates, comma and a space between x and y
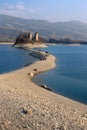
36, 37
30, 36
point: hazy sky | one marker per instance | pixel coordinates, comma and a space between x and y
51, 10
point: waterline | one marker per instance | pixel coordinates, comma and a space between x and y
69, 77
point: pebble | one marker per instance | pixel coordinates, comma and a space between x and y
26, 126
63, 127
24, 111
31, 74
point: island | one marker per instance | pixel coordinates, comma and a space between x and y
29, 40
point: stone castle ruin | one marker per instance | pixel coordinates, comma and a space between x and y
36, 37
28, 38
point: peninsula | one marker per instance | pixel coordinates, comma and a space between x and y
26, 106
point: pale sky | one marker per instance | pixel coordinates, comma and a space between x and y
51, 10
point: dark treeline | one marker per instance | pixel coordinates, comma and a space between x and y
66, 41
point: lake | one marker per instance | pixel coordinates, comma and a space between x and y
12, 58
69, 77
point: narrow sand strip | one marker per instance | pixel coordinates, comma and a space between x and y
26, 106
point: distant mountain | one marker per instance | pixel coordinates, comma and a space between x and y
10, 27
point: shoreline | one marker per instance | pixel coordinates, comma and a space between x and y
25, 105
6, 43
62, 44
28, 45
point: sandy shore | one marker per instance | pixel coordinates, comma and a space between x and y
30, 45
26, 106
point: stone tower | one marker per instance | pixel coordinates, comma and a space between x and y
36, 37
30, 36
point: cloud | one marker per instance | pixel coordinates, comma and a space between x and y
20, 5
19, 10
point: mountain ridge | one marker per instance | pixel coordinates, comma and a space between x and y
11, 26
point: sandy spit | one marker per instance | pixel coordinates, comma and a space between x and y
27, 45
26, 106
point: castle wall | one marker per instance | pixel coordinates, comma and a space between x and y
30, 36
36, 37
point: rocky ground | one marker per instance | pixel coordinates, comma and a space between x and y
26, 106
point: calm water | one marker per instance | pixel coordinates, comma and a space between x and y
69, 78
12, 58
